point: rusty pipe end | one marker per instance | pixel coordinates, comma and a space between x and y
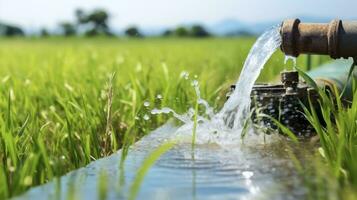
289, 33
338, 39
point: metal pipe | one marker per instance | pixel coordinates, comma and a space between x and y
337, 38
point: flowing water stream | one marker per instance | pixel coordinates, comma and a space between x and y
226, 125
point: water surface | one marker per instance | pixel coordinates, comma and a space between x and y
262, 172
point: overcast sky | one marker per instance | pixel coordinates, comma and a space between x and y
152, 13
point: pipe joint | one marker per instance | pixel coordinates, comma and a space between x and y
289, 33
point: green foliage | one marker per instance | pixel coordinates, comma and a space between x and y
44, 32
145, 167
335, 169
68, 29
167, 33
283, 129
181, 32
102, 185
97, 20
199, 31
10, 30
133, 32
195, 122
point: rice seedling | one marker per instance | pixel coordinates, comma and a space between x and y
147, 163
194, 129
332, 173
102, 186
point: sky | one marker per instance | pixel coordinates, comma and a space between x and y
155, 13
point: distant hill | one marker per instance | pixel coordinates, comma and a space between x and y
237, 27
231, 26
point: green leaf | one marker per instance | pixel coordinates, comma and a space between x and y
283, 128
146, 165
308, 79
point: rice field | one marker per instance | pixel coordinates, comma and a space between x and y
67, 102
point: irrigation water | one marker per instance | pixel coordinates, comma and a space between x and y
223, 167
226, 126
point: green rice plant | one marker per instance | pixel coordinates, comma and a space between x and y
71, 194
193, 142
102, 185
283, 129
336, 128
58, 186
146, 165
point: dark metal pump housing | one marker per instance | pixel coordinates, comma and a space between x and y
283, 102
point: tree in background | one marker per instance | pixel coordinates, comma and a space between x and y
44, 32
181, 32
167, 33
193, 31
10, 30
96, 20
68, 29
81, 16
133, 32
199, 31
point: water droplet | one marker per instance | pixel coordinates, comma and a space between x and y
195, 83
287, 58
146, 104
185, 75
52, 108
146, 117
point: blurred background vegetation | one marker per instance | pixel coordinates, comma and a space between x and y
96, 23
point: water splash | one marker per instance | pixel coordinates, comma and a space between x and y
292, 58
185, 118
236, 109
225, 126
208, 108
